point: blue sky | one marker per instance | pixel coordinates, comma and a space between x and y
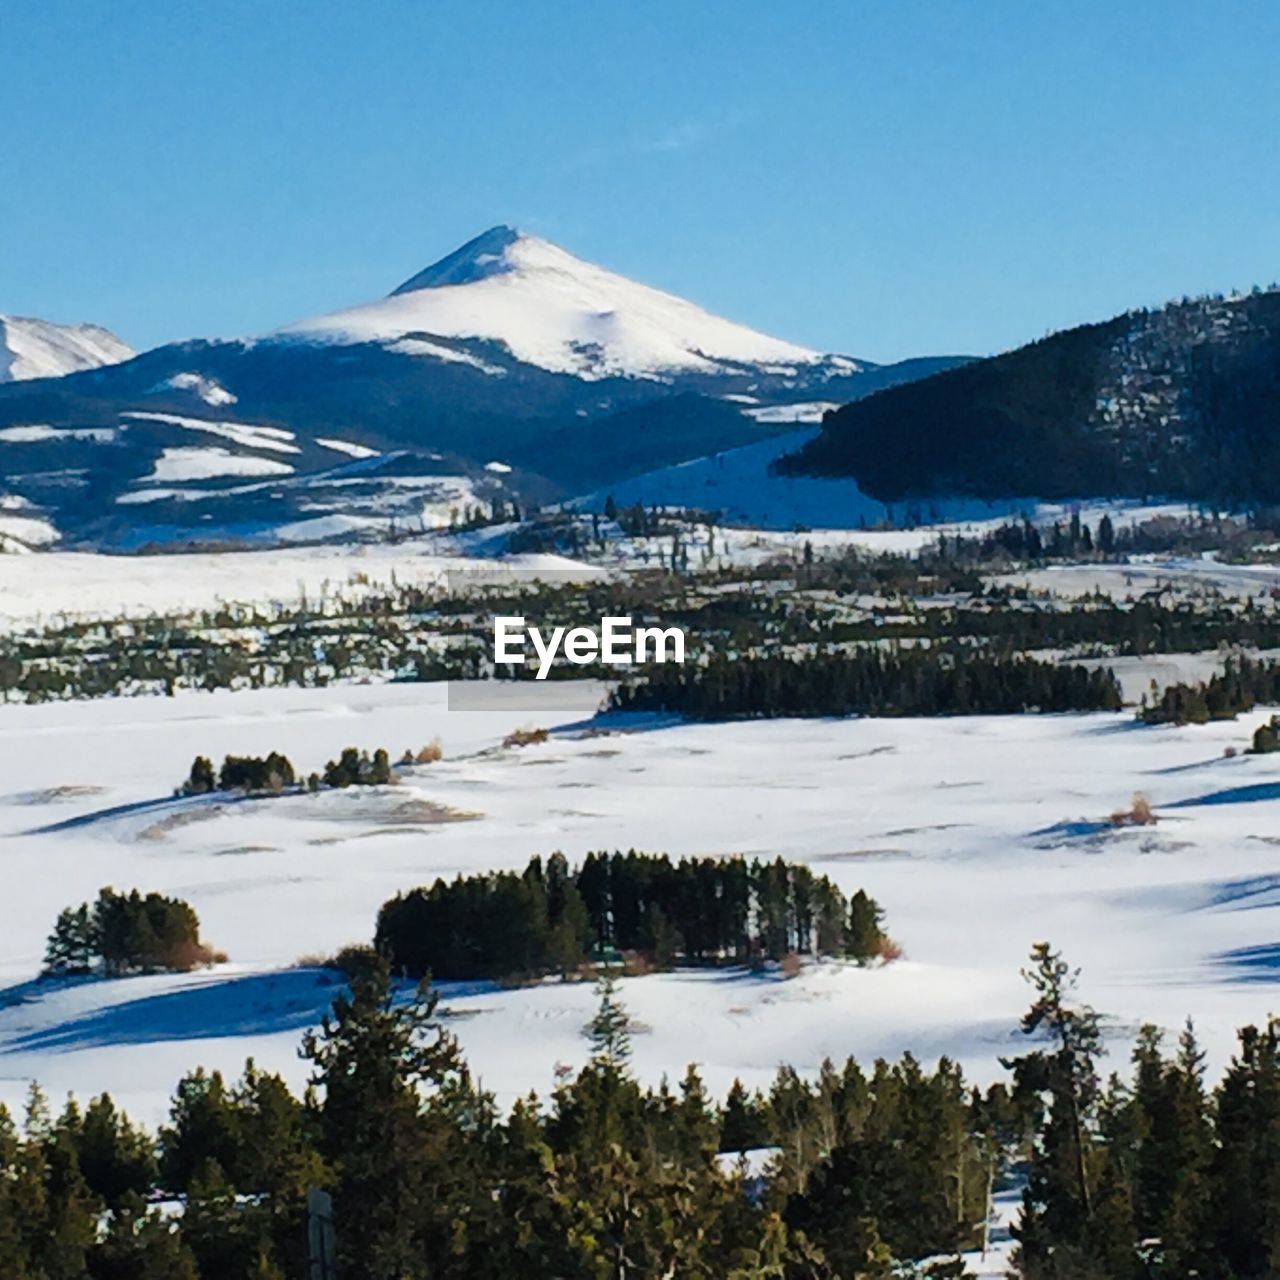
882, 179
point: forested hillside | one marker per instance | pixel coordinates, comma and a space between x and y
1182, 401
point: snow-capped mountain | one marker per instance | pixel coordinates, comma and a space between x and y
561, 314
507, 368
31, 348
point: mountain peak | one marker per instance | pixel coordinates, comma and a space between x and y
486, 255
32, 348
561, 313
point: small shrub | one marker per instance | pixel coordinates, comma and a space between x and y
186, 955
429, 754
889, 951
1139, 814
525, 737
635, 964
353, 961
791, 965
358, 960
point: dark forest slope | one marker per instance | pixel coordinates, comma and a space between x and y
1183, 401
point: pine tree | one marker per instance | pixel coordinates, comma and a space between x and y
73, 943
743, 1120
1059, 1200
201, 779
387, 1075
1106, 536
116, 1158
864, 939
608, 1030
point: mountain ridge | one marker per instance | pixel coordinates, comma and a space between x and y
1180, 401
428, 385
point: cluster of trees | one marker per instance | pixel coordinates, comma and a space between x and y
1025, 541
1240, 686
274, 772
126, 933
354, 768
1154, 1176
873, 682
872, 1171
554, 917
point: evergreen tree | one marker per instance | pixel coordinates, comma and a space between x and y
864, 938
201, 779
1058, 1204
73, 944
385, 1073
743, 1121
608, 1030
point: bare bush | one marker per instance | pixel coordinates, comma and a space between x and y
889, 951
1139, 814
635, 964
525, 737
182, 957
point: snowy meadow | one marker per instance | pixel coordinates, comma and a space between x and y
978, 835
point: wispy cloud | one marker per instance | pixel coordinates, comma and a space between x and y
687, 135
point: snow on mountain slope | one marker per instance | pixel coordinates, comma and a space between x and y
555, 311
739, 487
31, 348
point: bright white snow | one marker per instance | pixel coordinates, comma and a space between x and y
39, 433
248, 434
210, 390
553, 310
206, 463
31, 348
86, 585
347, 447
978, 835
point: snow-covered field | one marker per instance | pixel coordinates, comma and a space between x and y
1185, 575
978, 835
76, 584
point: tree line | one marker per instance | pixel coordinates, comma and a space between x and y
900, 682
274, 772
870, 1172
408, 633
554, 917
